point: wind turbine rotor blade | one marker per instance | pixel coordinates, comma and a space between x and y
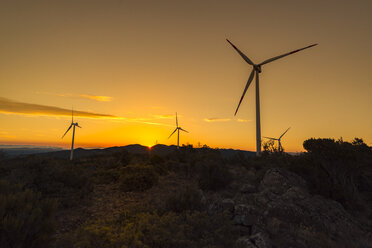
67, 130
286, 54
176, 120
172, 133
78, 126
183, 130
245, 90
284, 133
269, 138
241, 54
72, 115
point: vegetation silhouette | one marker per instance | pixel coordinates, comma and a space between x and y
178, 199
280, 147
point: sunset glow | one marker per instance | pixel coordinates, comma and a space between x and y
126, 68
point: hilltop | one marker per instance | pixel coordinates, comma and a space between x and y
135, 197
57, 152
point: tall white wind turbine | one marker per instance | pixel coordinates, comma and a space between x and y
178, 132
279, 140
256, 70
73, 133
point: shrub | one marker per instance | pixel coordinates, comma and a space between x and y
104, 175
123, 157
269, 147
159, 164
214, 175
335, 168
190, 199
150, 230
186, 169
60, 179
138, 177
25, 219
156, 159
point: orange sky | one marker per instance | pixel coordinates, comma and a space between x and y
128, 66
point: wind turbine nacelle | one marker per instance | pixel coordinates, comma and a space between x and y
258, 68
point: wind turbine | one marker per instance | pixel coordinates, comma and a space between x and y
178, 132
73, 133
257, 69
278, 139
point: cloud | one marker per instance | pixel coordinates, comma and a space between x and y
243, 120
6, 135
8, 106
97, 98
217, 119
85, 96
164, 116
147, 121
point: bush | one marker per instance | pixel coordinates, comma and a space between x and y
269, 147
123, 157
60, 179
190, 199
159, 164
150, 230
214, 175
137, 178
105, 176
25, 219
335, 169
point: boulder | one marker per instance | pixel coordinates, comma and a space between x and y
220, 206
258, 240
284, 208
245, 215
279, 181
248, 188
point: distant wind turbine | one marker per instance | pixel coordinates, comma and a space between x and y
257, 69
178, 132
279, 139
73, 133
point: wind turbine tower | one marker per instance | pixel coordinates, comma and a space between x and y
178, 132
73, 125
256, 70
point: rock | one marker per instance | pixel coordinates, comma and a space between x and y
295, 193
245, 215
248, 188
279, 181
284, 208
220, 206
258, 240
263, 198
310, 219
244, 242
228, 204
261, 240
203, 199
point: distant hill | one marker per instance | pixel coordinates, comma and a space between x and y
17, 150
83, 153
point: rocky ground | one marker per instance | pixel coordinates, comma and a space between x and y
280, 212
276, 210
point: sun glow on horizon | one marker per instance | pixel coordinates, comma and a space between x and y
127, 75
